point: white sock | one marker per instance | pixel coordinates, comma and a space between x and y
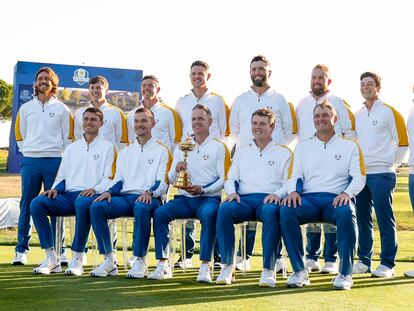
78, 255
51, 253
110, 256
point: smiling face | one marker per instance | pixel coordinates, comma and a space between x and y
261, 128
260, 73
91, 123
369, 89
97, 92
319, 82
143, 124
201, 122
324, 120
43, 83
199, 77
149, 89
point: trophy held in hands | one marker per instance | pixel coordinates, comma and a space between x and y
182, 180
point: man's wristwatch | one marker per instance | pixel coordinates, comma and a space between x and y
150, 192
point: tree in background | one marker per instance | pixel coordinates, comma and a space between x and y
6, 99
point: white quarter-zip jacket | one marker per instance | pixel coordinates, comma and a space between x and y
167, 130
43, 130
248, 102
207, 165
114, 128
382, 135
410, 129
219, 112
141, 168
87, 165
260, 171
345, 124
327, 167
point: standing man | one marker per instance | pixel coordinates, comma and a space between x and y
167, 122
344, 125
320, 190
200, 94
136, 190
44, 127
254, 192
260, 95
114, 128
207, 166
382, 135
86, 170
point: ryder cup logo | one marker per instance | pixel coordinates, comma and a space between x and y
81, 76
271, 163
374, 122
51, 114
96, 156
205, 157
338, 157
150, 161
25, 95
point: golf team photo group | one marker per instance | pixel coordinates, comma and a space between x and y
309, 172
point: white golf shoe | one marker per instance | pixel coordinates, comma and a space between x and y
75, 267
268, 278
342, 282
106, 268
226, 276
48, 266
204, 275
162, 271
298, 279
139, 269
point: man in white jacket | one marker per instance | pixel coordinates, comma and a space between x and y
253, 193
344, 125
260, 95
44, 127
382, 135
86, 168
139, 183
320, 189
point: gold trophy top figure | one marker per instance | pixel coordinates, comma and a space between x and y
182, 180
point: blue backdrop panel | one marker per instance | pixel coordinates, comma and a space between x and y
70, 76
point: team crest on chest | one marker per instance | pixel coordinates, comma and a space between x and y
271, 163
205, 157
374, 122
150, 161
51, 114
338, 157
96, 156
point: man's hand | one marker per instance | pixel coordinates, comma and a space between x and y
88, 192
232, 197
292, 199
104, 196
144, 198
181, 166
342, 199
194, 189
271, 198
51, 194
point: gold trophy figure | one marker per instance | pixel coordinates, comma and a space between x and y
182, 179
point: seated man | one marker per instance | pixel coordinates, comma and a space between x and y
86, 168
260, 169
323, 167
136, 191
206, 166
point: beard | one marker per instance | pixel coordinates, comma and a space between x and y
259, 82
318, 90
40, 89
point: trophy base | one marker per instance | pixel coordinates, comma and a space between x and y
182, 180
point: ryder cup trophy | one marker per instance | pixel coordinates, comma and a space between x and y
182, 179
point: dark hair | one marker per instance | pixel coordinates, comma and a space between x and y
146, 110
95, 111
54, 79
202, 107
265, 112
260, 58
99, 79
200, 63
150, 77
323, 105
372, 75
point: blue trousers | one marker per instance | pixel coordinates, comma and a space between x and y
123, 206
313, 243
190, 237
411, 189
378, 193
317, 207
251, 207
203, 207
66, 204
34, 172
